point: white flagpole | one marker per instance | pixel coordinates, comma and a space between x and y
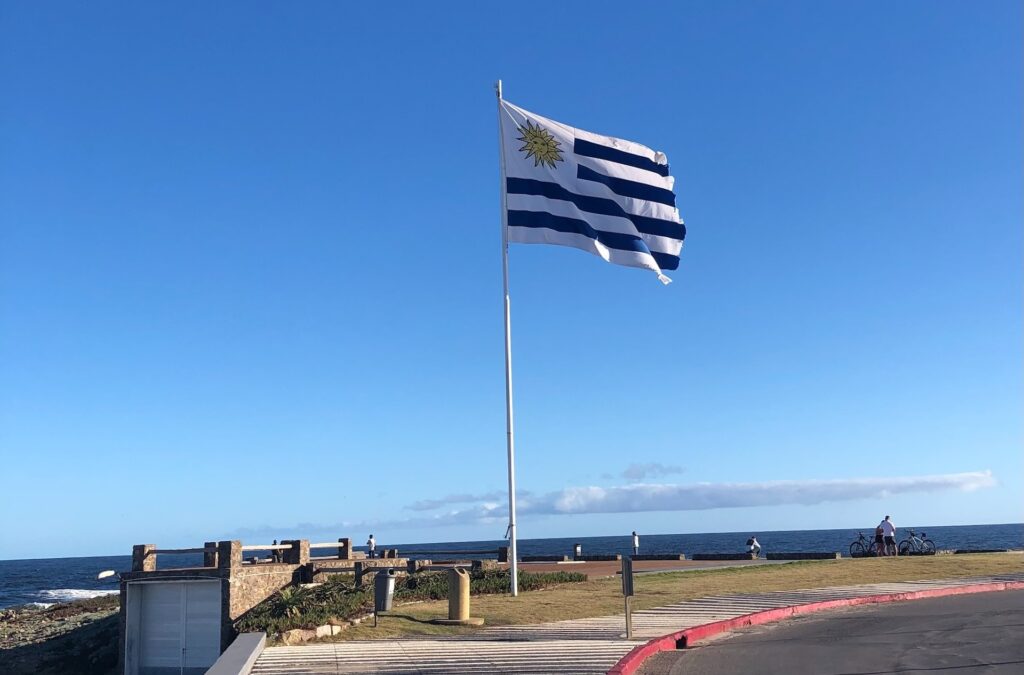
512, 558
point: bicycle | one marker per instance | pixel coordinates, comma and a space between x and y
863, 547
914, 544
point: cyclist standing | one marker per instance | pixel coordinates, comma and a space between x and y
889, 533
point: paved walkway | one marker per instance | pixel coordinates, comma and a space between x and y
976, 633
574, 646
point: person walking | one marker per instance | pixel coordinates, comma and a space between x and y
636, 543
371, 547
889, 535
753, 546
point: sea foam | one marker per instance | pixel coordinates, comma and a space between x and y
70, 594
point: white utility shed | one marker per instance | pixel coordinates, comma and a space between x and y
172, 626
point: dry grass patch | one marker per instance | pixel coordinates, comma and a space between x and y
602, 597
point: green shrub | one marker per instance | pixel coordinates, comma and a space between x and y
339, 599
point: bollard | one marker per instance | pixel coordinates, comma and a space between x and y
458, 594
458, 600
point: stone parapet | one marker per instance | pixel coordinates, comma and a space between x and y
229, 554
362, 567
722, 556
803, 555
344, 548
143, 558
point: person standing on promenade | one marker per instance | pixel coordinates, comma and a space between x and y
755, 548
636, 543
371, 547
889, 533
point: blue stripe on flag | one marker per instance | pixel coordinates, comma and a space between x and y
666, 261
588, 149
616, 240
628, 188
607, 207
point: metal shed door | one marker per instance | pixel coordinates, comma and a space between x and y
179, 632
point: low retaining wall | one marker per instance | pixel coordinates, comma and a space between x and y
722, 556
803, 555
599, 558
240, 657
660, 556
545, 558
980, 550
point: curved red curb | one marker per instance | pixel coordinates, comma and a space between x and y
682, 639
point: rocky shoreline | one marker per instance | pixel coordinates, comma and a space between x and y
72, 638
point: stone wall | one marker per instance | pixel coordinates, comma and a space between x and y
251, 585
243, 586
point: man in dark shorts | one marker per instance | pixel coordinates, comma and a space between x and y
889, 534
879, 542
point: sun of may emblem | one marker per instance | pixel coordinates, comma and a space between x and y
540, 144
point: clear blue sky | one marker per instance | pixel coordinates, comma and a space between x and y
250, 269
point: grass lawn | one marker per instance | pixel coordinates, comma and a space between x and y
602, 597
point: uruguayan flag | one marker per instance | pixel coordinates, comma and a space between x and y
604, 195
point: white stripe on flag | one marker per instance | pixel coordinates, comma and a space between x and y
533, 235
597, 221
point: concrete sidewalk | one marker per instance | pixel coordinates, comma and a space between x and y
575, 646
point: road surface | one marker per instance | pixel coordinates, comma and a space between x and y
977, 633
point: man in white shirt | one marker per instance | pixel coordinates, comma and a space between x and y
636, 543
754, 547
889, 536
371, 547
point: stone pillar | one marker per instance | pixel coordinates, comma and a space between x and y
413, 566
345, 550
210, 554
480, 566
229, 554
360, 568
298, 554
143, 558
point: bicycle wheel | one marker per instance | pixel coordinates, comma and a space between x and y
928, 546
904, 548
857, 550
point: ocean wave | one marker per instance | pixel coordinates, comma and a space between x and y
70, 594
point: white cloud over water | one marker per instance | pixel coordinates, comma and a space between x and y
638, 471
641, 497
462, 498
702, 496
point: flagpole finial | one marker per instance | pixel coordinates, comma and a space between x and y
497, 88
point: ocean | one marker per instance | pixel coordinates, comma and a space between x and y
49, 580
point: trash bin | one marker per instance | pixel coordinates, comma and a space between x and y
383, 590
577, 551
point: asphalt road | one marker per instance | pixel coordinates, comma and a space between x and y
976, 633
